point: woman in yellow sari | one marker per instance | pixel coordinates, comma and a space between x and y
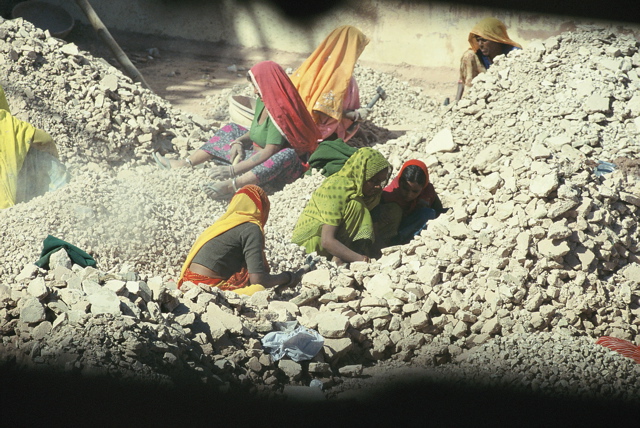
29, 163
337, 220
487, 39
327, 87
229, 254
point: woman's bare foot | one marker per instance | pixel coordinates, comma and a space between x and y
166, 163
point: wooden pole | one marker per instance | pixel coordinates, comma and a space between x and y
104, 34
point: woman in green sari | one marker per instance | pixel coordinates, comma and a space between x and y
337, 221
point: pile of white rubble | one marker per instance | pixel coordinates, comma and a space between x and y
536, 257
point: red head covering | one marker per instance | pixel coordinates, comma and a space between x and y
392, 193
285, 107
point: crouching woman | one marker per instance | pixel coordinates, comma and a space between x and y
337, 221
229, 254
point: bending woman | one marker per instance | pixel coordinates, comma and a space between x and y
488, 39
229, 254
29, 164
272, 151
407, 204
337, 221
326, 84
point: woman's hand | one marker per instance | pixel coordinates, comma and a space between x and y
361, 114
236, 154
221, 172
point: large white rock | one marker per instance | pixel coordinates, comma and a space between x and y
104, 301
332, 324
542, 186
441, 142
220, 321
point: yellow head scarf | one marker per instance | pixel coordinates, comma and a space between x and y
323, 78
491, 29
249, 205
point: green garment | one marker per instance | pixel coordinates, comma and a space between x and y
52, 244
266, 132
339, 201
330, 156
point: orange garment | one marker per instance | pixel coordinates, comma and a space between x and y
392, 193
491, 29
324, 79
621, 346
249, 204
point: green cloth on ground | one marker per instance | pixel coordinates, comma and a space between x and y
330, 156
52, 244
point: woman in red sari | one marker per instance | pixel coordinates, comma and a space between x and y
273, 151
408, 202
229, 254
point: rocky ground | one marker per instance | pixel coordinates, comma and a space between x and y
507, 291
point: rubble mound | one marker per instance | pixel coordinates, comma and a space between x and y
536, 257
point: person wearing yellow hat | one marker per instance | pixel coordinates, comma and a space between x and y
487, 39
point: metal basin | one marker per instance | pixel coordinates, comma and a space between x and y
46, 16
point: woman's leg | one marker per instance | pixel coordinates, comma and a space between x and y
282, 168
216, 148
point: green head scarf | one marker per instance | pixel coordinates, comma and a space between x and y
328, 202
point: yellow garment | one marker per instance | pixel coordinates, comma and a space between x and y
4, 105
323, 78
491, 29
249, 205
250, 290
16, 140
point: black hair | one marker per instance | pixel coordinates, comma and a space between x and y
413, 174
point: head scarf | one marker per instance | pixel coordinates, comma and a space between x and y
250, 204
322, 80
392, 193
328, 202
491, 29
285, 107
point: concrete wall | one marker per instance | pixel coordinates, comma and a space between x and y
416, 33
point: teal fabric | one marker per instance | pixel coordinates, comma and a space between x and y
330, 156
52, 244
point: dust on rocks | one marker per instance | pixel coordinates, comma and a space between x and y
536, 257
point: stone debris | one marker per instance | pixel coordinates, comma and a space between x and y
535, 258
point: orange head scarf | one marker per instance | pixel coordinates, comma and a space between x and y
392, 193
323, 78
491, 29
285, 107
250, 204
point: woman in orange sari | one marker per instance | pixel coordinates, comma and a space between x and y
327, 87
229, 254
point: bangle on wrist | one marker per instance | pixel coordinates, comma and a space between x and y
187, 160
235, 184
232, 171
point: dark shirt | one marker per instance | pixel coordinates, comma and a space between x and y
238, 247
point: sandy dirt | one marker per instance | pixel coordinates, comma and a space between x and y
185, 72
